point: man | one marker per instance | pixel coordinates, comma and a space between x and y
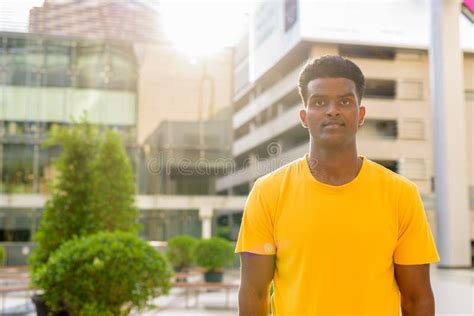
337, 233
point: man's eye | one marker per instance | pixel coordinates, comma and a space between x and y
345, 102
319, 102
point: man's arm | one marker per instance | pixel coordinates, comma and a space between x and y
256, 274
415, 288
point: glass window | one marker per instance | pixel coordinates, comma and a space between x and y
16, 45
56, 104
25, 61
182, 222
379, 129
378, 88
242, 189
90, 66
17, 168
54, 63
389, 164
106, 67
57, 64
370, 52
15, 225
121, 62
47, 171
164, 224
152, 225
193, 185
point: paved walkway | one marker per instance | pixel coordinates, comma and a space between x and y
454, 292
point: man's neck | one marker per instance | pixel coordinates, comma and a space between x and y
334, 166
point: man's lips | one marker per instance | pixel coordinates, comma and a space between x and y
333, 124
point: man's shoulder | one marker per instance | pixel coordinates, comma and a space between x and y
277, 176
381, 173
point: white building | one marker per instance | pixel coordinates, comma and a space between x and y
388, 40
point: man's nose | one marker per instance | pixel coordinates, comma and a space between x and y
332, 109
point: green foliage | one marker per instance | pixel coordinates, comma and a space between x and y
87, 197
223, 232
107, 274
180, 251
116, 186
213, 253
3, 254
70, 211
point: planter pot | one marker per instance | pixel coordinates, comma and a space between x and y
183, 271
183, 279
42, 309
214, 277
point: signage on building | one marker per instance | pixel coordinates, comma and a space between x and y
273, 32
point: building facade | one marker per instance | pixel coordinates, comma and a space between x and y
47, 82
397, 129
131, 20
175, 87
185, 158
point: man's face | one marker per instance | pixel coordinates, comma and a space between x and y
332, 112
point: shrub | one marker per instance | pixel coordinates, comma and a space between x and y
180, 251
70, 209
94, 189
103, 274
116, 208
214, 253
223, 232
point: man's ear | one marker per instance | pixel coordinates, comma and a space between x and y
303, 118
361, 115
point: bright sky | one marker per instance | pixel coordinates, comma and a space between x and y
14, 14
202, 27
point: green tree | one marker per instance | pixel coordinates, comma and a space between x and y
116, 186
94, 189
70, 210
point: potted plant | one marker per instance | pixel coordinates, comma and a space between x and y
180, 252
108, 273
213, 255
93, 191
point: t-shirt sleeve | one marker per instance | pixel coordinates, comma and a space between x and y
256, 229
415, 244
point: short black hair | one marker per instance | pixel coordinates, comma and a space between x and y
330, 67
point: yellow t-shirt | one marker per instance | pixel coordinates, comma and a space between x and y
335, 246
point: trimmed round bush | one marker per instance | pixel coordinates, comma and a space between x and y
108, 273
180, 251
214, 253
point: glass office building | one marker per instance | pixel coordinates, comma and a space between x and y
45, 83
